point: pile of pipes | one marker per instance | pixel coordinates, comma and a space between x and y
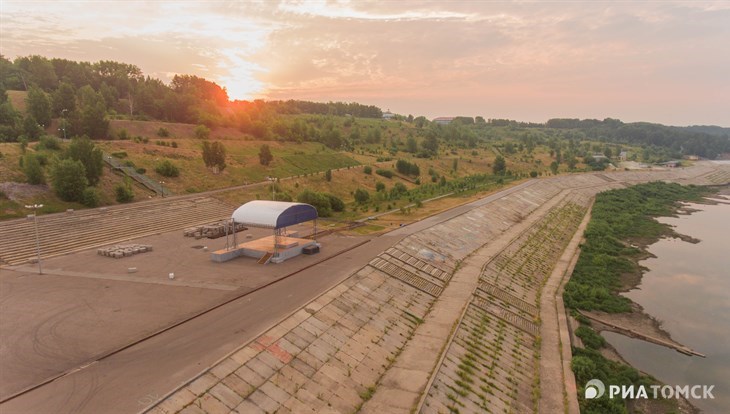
213, 231
124, 250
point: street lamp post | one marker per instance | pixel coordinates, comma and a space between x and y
273, 196
35, 208
63, 112
162, 188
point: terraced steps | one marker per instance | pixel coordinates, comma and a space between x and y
66, 232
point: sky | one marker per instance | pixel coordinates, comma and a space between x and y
655, 61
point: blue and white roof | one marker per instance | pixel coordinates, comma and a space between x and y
273, 214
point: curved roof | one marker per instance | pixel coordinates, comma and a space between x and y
273, 214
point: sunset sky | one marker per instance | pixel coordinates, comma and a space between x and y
657, 61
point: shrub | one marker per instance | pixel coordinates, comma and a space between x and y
384, 173
33, 170
336, 203
318, 200
167, 169
163, 132
328, 175
50, 142
90, 197
202, 132
361, 196
69, 179
379, 186
141, 170
398, 190
367, 170
124, 192
407, 168
533, 174
123, 134
173, 144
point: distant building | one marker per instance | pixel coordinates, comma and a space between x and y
599, 157
388, 115
443, 120
623, 156
692, 157
672, 164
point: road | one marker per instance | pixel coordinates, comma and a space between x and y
133, 379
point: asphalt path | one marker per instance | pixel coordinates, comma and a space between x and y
135, 378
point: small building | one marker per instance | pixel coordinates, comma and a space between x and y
692, 157
388, 115
623, 156
443, 120
282, 244
599, 157
671, 164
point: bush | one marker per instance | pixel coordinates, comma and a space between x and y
124, 192
123, 135
337, 204
590, 338
90, 197
69, 179
163, 132
533, 174
50, 142
361, 196
367, 170
173, 144
398, 190
318, 200
167, 169
141, 170
379, 186
33, 170
384, 173
202, 132
407, 168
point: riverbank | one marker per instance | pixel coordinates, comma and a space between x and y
623, 225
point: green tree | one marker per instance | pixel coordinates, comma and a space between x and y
554, 167
93, 120
411, 145
379, 186
31, 128
214, 155
361, 196
39, 106
500, 165
167, 169
265, 155
328, 175
69, 179
33, 169
124, 192
318, 200
82, 149
431, 143
90, 197
202, 132
64, 98
367, 170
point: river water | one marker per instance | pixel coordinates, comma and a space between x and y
688, 289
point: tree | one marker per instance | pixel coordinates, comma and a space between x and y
318, 200
167, 169
69, 179
31, 128
39, 106
368, 170
500, 166
82, 149
361, 196
431, 143
214, 155
379, 186
33, 169
124, 192
64, 98
202, 132
93, 120
90, 197
554, 167
265, 155
328, 175
411, 145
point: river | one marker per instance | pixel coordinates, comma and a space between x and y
688, 289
